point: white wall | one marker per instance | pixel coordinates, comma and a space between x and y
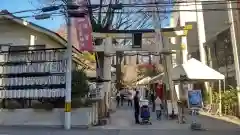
16, 34
30, 117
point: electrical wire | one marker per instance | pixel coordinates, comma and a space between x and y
33, 16
172, 11
19, 12
179, 2
135, 12
147, 5
139, 12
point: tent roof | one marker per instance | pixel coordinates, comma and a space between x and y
144, 81
156, 78
196, 70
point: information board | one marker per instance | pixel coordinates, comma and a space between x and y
33, 73
96, 91
194, 99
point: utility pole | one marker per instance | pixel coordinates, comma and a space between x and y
68, 91
234, 29
157, 27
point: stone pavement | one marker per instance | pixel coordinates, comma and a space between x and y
47, 131
122, 123
123, 118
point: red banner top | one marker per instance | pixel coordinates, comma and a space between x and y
83, 29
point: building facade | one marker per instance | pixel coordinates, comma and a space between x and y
210, 37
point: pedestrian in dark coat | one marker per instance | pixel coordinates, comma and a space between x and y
136, 107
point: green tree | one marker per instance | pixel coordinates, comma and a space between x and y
79, 84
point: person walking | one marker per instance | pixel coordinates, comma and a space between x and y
136, 107
118, 98
122, 97
152, 98
130, 97
158, 107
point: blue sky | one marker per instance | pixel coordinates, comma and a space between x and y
18, 5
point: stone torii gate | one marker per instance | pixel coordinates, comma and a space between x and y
139, 38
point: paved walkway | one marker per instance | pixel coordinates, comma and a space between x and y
122, 123
123, 118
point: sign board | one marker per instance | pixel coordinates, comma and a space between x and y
194, 99
33, 74
96, 91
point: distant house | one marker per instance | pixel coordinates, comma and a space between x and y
31, 59
17, 34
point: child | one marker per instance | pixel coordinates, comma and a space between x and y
158, 107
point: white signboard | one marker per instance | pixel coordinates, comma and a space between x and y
96, 91
32, 74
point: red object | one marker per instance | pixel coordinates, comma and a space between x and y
159, 90
83, 29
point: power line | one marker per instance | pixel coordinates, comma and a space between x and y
18, 12
33, 16
171, 11
147, 5
138, 12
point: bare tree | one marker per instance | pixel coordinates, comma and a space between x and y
104, 18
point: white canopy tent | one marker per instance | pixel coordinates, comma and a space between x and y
156, 78
196, 70
144, 81
193, 70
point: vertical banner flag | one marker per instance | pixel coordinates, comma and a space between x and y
83, 28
